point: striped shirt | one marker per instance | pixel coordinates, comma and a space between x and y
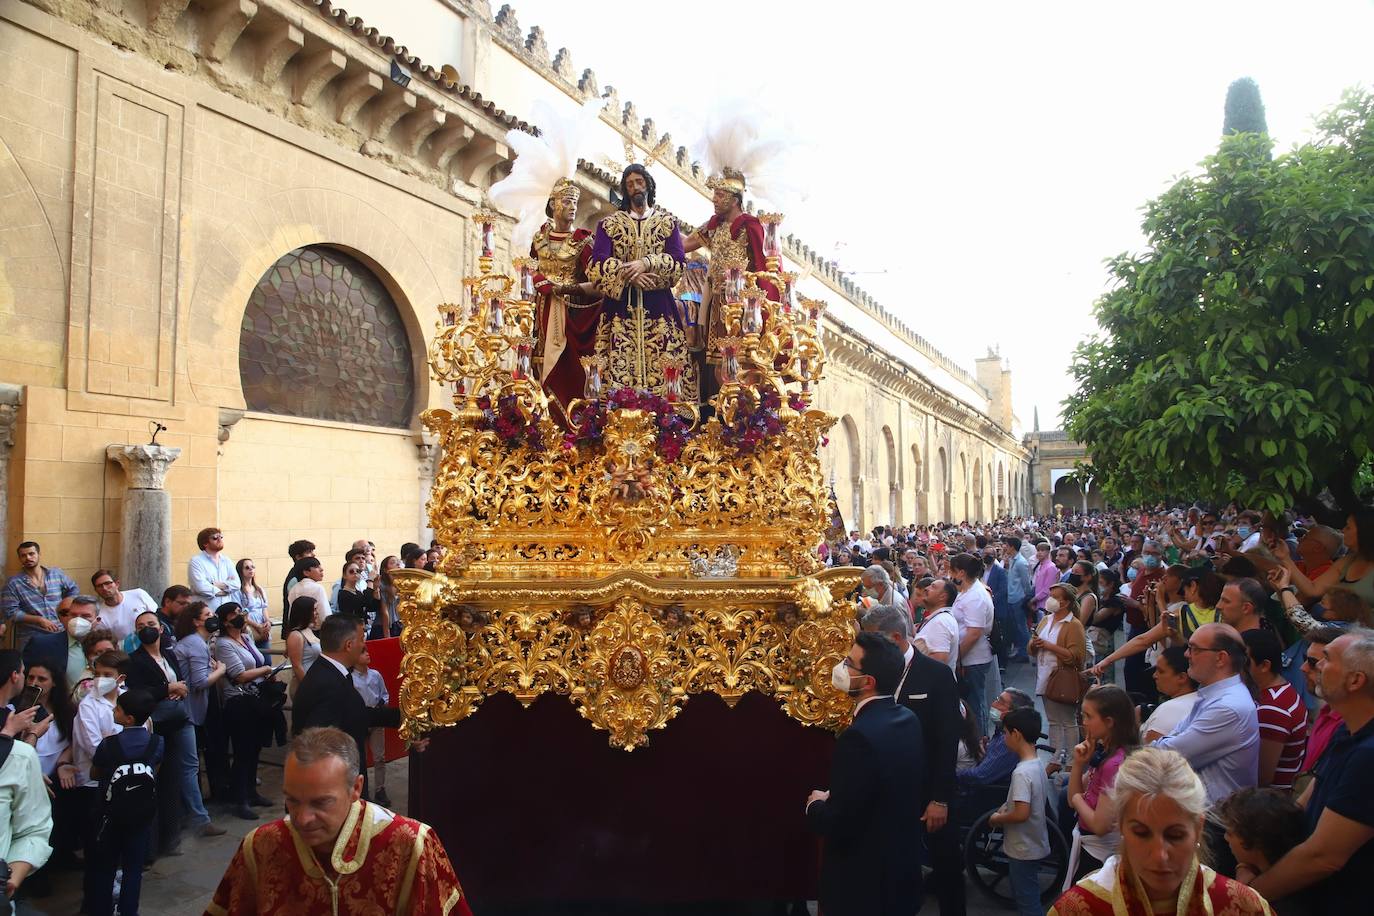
1283, 717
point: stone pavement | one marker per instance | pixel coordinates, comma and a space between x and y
183, 885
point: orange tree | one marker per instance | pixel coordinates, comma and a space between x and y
1234, 359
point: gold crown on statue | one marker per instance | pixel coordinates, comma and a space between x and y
565, 187
728, 180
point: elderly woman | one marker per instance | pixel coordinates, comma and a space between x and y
1161, 803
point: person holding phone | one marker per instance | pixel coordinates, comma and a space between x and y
51, 737
245, 672
195, 630
1201, 589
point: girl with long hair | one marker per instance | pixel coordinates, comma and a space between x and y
387, 622
302, 645
250, 596
1110, 730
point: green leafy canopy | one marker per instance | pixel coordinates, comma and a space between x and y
1235, 355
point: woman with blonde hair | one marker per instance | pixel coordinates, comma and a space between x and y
1161, 804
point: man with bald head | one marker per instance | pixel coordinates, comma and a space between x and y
1220, 735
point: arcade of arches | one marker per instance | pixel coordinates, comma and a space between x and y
203, 229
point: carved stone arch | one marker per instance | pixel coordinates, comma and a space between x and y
917, 489
960, 495
1001, 505
989, 490
252, 242
894, 490
944, 485
322, 338
976, 497
849, 475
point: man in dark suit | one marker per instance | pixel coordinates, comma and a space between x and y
327, 697
927, 688
867, 819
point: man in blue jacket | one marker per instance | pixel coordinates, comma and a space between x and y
869, 818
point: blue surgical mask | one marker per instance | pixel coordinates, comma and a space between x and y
1131, 573
1243, 531
1151, 561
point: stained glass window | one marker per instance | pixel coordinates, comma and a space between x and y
322, 338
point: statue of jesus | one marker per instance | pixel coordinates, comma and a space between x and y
636, 261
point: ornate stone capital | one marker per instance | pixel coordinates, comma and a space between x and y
145, 465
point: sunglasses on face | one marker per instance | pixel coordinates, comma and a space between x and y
1310, 661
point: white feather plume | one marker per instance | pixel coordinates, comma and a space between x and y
539, 163
740, 136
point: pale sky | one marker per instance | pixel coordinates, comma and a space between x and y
987, 155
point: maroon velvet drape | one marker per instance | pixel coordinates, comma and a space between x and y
535, 805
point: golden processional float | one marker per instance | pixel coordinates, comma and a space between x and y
641, 555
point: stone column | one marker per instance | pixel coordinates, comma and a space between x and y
145, 544
428, 453
11, 396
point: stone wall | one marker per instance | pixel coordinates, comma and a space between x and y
158, 156
139, 206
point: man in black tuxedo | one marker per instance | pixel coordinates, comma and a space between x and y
927, 688
868, 817
327, 697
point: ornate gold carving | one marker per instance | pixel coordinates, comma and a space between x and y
630, 669
569, 569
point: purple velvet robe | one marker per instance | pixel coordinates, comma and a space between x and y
639, 328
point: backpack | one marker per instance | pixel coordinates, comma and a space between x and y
130, 797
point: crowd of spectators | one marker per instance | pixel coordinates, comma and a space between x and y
1230, 650
128, 721
1234, 703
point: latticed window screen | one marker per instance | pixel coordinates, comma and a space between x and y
323, 339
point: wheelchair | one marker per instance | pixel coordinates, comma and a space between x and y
985, 863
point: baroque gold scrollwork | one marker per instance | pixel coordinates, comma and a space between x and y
629, 676
628, 650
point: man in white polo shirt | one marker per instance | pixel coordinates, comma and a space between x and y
119, 607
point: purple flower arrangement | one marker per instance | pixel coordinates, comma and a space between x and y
673, 429
511, 426
752, 429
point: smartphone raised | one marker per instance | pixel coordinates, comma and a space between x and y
28, 697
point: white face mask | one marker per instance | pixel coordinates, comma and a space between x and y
1051, 605
78, 627
839, 676
842, 679
104, 686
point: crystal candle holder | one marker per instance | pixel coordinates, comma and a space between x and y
729, 362
496, 316
488, 238
751, 319
672, 381
734, 284
524, 359
591, 388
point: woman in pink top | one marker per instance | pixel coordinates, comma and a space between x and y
1110, 726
